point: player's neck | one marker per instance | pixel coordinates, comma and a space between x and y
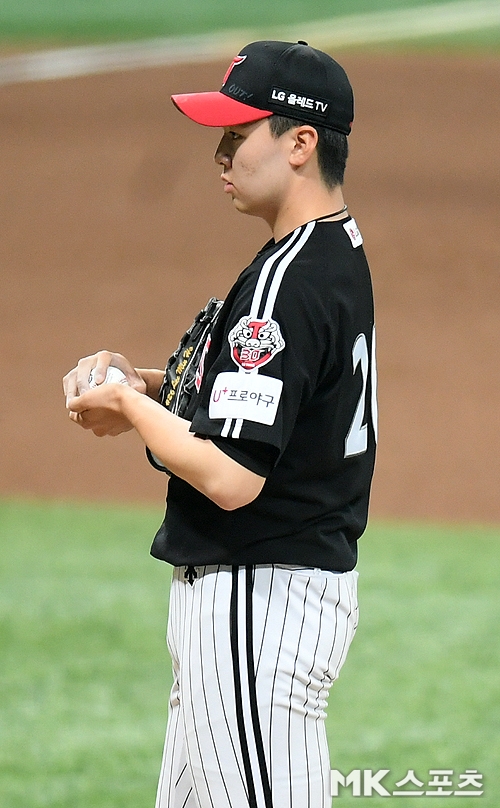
305, 208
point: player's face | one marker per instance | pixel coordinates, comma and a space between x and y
255, 169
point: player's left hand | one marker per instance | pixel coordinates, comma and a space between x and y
101, 411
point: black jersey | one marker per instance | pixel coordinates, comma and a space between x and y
289, 391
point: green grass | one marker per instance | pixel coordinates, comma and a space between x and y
84, 674
472, 43
92, 20
420, 689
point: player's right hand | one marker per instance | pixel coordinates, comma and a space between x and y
76, 382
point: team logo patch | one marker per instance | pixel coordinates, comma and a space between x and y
236, 61
255, 342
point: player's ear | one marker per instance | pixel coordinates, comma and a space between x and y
305, 140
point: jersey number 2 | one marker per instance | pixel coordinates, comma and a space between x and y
356, 441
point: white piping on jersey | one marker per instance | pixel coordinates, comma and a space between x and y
293, 250
237, 428
282, 268
264, 274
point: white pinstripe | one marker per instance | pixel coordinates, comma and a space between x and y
302, 624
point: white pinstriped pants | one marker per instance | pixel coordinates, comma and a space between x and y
255, 650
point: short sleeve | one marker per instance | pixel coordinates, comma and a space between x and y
273, 345
253, 455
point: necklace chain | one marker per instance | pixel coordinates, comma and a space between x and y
328, 215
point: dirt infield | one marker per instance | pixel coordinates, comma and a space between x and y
115, 231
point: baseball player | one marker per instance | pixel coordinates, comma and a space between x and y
271, 463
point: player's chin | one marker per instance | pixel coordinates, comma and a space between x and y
100, 433
237, 205
243, 206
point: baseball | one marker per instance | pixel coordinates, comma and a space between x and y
113, 376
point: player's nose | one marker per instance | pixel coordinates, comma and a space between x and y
222, 154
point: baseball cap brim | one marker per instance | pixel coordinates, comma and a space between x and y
217, 109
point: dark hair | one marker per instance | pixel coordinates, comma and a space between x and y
332, 148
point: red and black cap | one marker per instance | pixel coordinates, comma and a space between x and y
276, 78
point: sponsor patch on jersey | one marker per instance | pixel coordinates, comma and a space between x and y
250, 396
255, 342
351, 228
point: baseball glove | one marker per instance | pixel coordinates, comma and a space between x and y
183, 370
